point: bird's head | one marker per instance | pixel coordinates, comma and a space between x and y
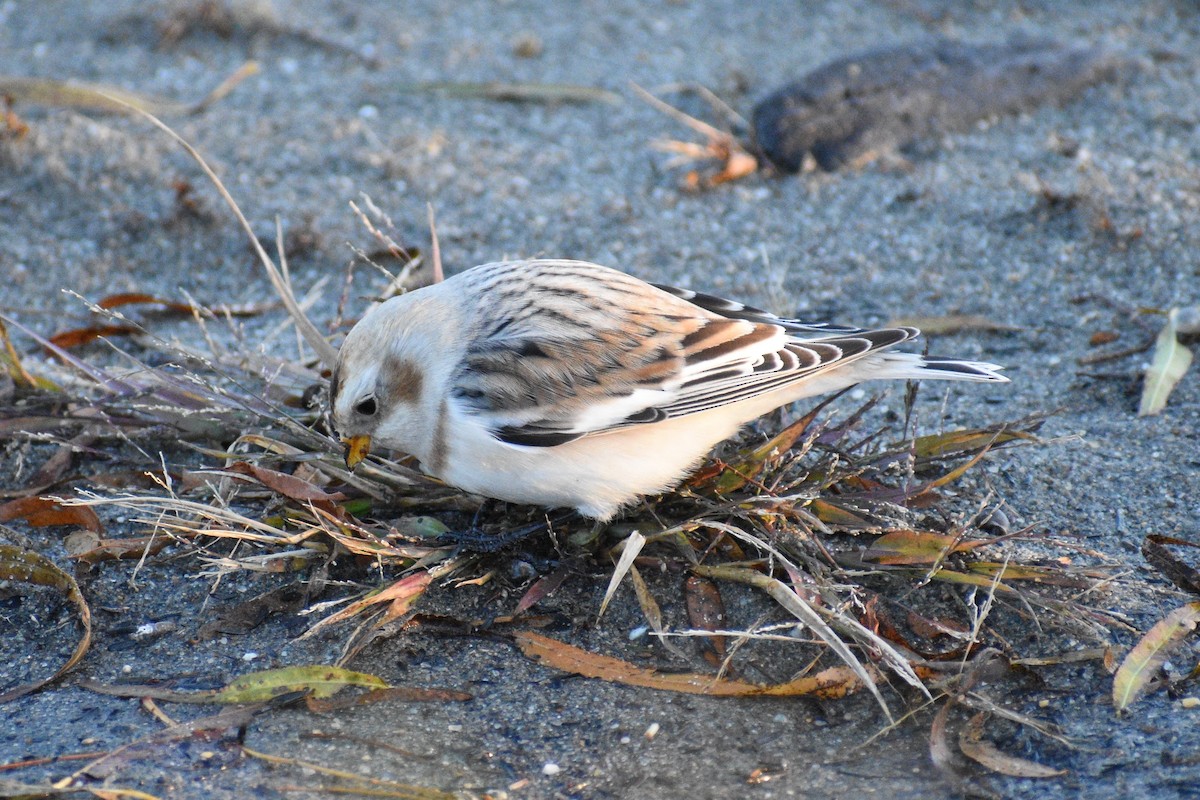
378, 393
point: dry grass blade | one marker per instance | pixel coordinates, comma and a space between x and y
517, 92
630, 547
102, 97
438, 274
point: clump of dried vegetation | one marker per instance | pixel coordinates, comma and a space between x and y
882, 578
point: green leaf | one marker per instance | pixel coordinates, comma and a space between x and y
317, 681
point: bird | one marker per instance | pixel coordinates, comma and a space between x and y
566, 384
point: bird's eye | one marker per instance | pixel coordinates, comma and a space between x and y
367, 406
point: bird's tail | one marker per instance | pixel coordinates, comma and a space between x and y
916, 367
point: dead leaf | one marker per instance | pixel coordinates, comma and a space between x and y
516, 92
1142, 663
84, 96
917, 547
77, 337
652, 612
42, 511
831, 683
156, 743
26, 566
837, 515
400, 596
287, 485
1185, 576
356, 784
543, 587
964, 441
706, 612
109, 99
983, 752
10, 361
1170, 364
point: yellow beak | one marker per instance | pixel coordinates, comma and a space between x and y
357, 448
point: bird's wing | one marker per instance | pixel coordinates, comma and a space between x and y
732, 309
565, 364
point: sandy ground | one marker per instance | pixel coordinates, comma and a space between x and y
88, 203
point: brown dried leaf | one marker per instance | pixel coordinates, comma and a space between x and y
1142, 663
832, 683
841, 517
706, 612
287, 485
983, 752
400, 596
77, 337
1185, 576
652, 612
931, 628
543, 587
42, 511
939, 746
516, 92
1054, 576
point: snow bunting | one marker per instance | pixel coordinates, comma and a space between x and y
564, 383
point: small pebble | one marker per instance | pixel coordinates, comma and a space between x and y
550, 768
1187, 320
527, 45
